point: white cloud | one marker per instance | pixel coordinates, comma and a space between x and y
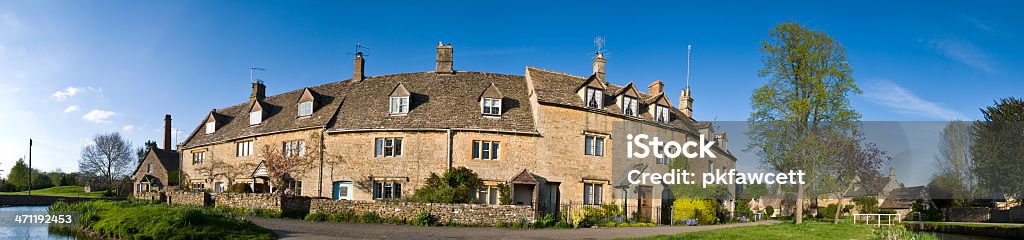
901, 100
72, 108
978, 24
61, 95
964, 52
98, 116
128, 128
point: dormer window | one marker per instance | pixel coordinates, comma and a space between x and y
400, 100
594, 97
255, 117
629, 106
399, 105
306, 109
661, 114
491, 106
211, 127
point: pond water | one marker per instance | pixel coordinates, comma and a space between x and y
950, 236
9, 229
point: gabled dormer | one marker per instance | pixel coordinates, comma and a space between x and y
210, 123
658, 106
399, 101
628, 100
256, 113
490, 101
307, 103
592, 92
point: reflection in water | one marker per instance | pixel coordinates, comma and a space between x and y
10, 230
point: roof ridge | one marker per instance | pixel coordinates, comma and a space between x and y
555, 72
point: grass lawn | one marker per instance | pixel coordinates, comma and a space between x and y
143, 220
807, 230
62, 191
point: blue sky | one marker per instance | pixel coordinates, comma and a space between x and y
71, 69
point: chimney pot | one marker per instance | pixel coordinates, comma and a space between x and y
444, 59
598, 65
167, 132
686, 103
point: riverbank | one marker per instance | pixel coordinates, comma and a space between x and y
61, 191
997, 230
142, 220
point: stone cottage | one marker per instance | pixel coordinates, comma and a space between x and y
160, 168
549, 135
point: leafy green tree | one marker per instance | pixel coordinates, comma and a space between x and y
998, 148
805, 98
18, 178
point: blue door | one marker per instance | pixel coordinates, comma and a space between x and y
343, 190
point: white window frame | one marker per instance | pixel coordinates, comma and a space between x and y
486, 150
490, 106
294, 148
399, 105
387, 190
488, 194
629, 106
661, 114
592, 193
211, 127
198, 158
305, 109
243, 149
255, 118
383, 144
595, 95
594, 145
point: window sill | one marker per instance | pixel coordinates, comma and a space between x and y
398, 114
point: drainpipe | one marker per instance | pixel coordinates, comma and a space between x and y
450, 161
320, 186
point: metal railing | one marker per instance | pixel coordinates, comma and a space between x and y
878, 218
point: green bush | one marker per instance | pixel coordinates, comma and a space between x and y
866, 204
703, 210
828, 212
370, 218
588, 216
316, 217
423, 218
345, 216
769, 211
455, 186
239, 188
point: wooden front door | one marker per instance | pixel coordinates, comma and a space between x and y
644, 199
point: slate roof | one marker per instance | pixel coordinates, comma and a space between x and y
870, 188
560, 89
167, 158
903, 198
280, 114
437, 101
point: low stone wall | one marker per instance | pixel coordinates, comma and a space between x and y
297, 205
151, 196
470, 214
189, 198
1013, 215
968, 214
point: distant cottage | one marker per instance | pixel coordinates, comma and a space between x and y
546, 134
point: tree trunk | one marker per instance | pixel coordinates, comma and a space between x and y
839, 208
799, 204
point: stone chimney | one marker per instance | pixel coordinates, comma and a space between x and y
655, 87
259, 91
358, 75
721, 140
598, 65
686, 103
167, 132
444, 59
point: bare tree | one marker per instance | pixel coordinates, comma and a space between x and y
295, 161
956, 172
110, 157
